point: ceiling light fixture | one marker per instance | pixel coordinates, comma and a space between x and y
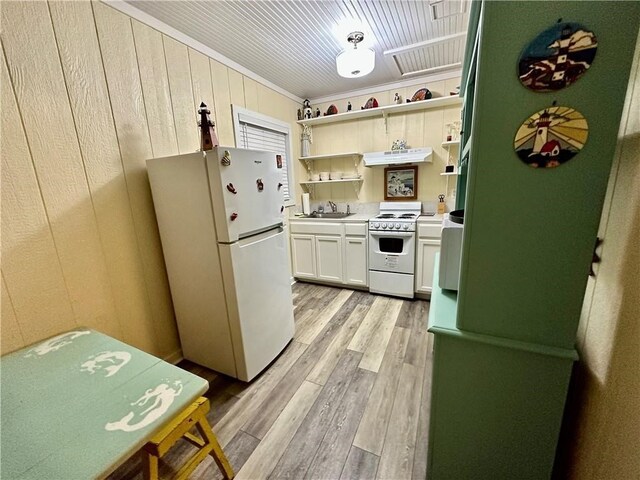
355, 62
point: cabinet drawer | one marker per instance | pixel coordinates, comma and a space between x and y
359, 229
429, 230
316, 228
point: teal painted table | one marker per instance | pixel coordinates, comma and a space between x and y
79, 404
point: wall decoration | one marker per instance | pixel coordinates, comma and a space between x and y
349, 106
317, 112
399, 145
551, 137
306, 109
401, 183
208, 137
397, 99
306, 141
371, 103
422, 94
557, 57
332, 110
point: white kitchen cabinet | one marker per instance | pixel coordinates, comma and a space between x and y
425, 259
330, 252
329, 258
427, 245
303, 255
355, 261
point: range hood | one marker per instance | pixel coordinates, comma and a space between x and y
396, 157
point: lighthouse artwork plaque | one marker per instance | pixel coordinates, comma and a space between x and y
551, 137
557, 57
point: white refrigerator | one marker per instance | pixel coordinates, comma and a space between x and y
220, 215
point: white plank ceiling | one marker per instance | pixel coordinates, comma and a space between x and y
294, 43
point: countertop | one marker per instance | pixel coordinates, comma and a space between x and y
357, 217
430, 219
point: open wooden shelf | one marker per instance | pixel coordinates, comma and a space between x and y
384, 111
309, 182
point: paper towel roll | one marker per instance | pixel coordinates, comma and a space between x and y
306, 208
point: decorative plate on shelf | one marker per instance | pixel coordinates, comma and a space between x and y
371, 103
422, 94
332, 110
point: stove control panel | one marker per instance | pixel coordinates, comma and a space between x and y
391, 226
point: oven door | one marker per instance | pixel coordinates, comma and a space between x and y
392, 251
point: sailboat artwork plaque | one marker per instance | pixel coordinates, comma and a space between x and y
551, 137
557, 57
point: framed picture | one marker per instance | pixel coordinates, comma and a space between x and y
401, 183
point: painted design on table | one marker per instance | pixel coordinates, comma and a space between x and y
551, 137
161, 396
110, 362
557, 57
55, 343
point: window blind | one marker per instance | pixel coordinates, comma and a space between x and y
259, 138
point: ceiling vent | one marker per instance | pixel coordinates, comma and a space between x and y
430, 56
440, 9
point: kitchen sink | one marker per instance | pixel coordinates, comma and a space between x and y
328, 215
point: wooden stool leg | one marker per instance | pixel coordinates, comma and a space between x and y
194, 415
150, 466
216, 451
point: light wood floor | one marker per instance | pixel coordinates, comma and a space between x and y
347, 399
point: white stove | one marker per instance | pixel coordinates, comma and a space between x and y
392, 249
394, 221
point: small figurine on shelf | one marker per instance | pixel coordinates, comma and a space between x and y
306, 107
317, 112
399, 145
299, 114
397, 99
348, 106
208, 137
306, 141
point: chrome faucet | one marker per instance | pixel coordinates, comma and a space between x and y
334, 207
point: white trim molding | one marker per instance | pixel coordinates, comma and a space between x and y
162, 27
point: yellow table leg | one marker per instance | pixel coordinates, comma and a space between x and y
194, 415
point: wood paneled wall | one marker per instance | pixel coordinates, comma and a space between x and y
425, 128
88, 94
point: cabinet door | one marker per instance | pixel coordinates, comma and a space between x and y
303, 255
329, 258
355, 260
425, 262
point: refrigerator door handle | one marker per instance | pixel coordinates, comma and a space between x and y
261, 237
